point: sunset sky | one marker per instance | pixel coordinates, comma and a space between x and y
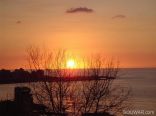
124, 29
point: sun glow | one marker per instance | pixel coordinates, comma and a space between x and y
71, 64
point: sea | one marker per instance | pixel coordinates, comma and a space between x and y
141, 82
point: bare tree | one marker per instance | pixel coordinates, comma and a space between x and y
98, 95
92, 96
51, 94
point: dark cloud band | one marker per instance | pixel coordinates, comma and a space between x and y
79, 9
18, 22
119, 16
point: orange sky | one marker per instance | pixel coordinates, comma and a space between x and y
124, 29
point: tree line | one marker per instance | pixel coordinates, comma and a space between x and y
20, 75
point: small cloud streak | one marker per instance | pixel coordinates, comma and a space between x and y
18, 22
80, 9
119, 16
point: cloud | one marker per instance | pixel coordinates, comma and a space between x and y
80, 9
18, 22
119, 16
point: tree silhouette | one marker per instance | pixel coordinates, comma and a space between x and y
79, 97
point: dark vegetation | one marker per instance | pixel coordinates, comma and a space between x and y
22, 105
20, 76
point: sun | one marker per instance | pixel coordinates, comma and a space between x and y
71, 64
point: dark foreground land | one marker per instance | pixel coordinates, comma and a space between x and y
23, 105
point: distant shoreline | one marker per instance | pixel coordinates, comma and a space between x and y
25, 76
57, 79
82, 69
